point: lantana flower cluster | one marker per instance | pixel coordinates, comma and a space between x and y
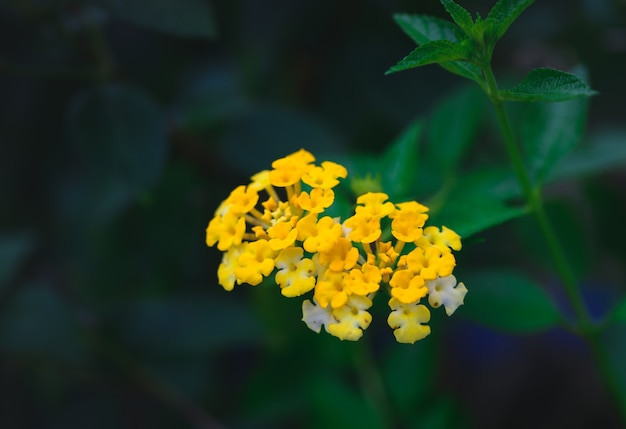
277, 226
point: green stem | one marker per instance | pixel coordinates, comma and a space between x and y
372, 383
586, 327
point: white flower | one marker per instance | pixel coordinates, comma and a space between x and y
315, 316
445, 291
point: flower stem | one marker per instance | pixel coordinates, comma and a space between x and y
586, 328
372, 383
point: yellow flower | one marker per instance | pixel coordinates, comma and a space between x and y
445, 239
318, 235
288, 171
363, 229
341, 256
407, 321
330, 289
282, 235
407, 287
242, 199
295, 275
352, 319
373, 205
364, 280
226, 231
325, 177
430, 263
408, 221
273, 225
260, 181
226, 271
255, 262
316, 201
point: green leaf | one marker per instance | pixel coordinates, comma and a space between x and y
461, 16
424, 29
399, 164
603, 151
618, 315
549, 132
438, 51
507, 301
477, 202
464, 69
505, 12
546, 84
471, 214
14, 248
453, 126
189, 18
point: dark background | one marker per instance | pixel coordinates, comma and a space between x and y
118, 141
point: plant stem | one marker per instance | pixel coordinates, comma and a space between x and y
586, 328
372, 382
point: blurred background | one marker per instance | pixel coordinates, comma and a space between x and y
125, 123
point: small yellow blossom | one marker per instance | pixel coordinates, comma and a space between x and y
445, 239
325, 177
255, 262
342, 256
241, 200
407, 321
282, 235
317, 200
295, 275
318, 235
226, 271
363, 229
364, 280
289, 170
408, 221
373, 205
407, 287
226, 231
331, 289
352, 319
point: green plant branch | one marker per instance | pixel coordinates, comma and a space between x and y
586, 328
533, 198
372, 383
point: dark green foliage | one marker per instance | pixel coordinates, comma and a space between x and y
504, 13
550, 131
437, 51
545, 84
126, 122
505, 300
188, 18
